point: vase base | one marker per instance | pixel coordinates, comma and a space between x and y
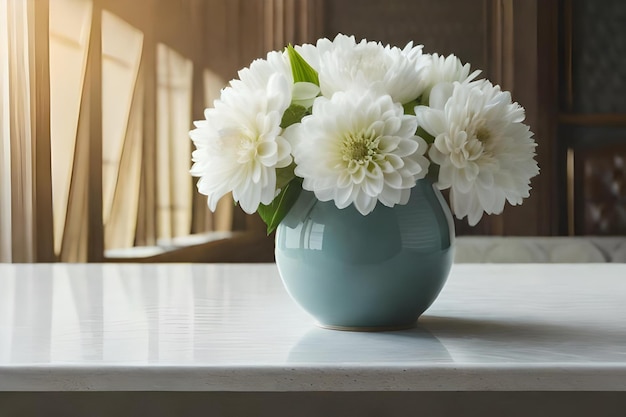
367, 328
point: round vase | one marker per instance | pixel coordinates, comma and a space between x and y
375, 272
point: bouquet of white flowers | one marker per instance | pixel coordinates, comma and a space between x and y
360, 123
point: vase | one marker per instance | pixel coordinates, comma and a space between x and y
375, 272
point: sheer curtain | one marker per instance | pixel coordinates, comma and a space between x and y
174, 194
16, 150
25, 200
122, 129
96, 101
6, 248
123, 151
70, 25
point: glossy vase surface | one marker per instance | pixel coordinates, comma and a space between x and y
374, 272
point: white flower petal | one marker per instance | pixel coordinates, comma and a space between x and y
343, 196
356, 146
431, 120
390, 196
344, 64
305, 93
238, 146
360, 137
364, 203
485, 152
440, 94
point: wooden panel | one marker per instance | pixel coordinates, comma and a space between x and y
593, 119
592, 122
545, 115
600, 190
448, 26
598, 54
521, 74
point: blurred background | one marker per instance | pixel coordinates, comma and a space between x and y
97, 98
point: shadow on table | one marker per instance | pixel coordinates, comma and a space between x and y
439, 339
495, 328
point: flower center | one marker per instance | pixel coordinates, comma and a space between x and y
359, 148
481, 147
483, 134
247, 148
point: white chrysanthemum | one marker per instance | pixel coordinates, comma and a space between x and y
358, 147
485, 152
257, 76
239, 145
343, 64
446, 69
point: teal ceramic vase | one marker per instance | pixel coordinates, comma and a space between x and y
368, 273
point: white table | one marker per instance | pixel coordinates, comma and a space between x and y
122, 333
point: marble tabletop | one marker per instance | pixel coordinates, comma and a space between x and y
232, 327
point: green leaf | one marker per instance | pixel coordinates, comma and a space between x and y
275, 212
285, 175
292, 115
430, 139
409, 108
433, 173
301, 70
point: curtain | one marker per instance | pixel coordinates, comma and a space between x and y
25, 191
96, 102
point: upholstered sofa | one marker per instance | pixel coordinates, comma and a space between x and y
470, 249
